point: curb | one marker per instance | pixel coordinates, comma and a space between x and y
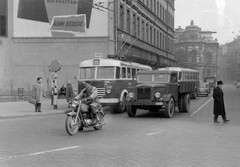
34, 114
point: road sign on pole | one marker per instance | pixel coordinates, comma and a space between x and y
55, 67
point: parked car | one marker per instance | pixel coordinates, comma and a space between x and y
238, 84
204, 88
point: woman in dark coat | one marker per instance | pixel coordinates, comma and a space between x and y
219, 108
69, 92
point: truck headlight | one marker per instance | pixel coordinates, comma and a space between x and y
157, 95
129, 96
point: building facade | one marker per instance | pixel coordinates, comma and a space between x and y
33, 33
233, 60
196, 49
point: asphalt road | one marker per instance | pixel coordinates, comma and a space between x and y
186, 140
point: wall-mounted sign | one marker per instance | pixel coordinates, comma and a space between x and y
70, 23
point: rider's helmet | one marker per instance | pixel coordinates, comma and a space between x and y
87, 84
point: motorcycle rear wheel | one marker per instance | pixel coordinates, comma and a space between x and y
100, 122
72, 128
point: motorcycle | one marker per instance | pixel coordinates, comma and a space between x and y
81, 117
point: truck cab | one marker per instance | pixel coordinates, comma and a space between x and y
156, 91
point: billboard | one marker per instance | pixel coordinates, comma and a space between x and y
68, 18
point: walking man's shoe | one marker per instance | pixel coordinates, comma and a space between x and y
216, 122
225, 121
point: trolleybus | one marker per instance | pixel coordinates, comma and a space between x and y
111, 77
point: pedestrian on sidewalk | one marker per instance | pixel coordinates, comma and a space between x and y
219, 107
38, 93
69, 92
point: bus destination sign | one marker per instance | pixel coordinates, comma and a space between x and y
96, 62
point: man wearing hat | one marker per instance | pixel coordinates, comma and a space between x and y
219, 108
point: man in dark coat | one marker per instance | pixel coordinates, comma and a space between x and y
38, 93
219, 108
69, 92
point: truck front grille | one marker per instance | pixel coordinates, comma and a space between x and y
143, 93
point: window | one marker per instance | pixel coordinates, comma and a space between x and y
128, 21
3, 26
129, 72
147, 35
121, 20
134, 72
134, 25
151, 35
3, 18
138, 26
118, 72
123, 72
87, 73
105, 72
174, 78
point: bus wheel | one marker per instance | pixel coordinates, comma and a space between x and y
169, 108
186, 103
121, 108
131, 111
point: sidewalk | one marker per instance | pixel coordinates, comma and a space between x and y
17, 109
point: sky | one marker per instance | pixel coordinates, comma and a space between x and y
220, 16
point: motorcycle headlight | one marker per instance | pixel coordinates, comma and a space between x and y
130, 96
157, 95
74, 104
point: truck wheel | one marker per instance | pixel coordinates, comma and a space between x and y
131, 111
186, 103
169, 108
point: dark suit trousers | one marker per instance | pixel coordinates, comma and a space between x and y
38, 107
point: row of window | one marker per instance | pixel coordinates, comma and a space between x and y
156, 7
140, 27
127, 72
188, 76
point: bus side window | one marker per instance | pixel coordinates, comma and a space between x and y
134, 72
180, 76
128, 72
117, 72
174, 78
123, 72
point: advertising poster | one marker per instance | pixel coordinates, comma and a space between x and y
60, 18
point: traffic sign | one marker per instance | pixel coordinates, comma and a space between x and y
55, 66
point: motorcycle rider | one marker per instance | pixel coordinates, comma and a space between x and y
90, 96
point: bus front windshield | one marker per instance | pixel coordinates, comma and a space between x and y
102, 73
156, 78
105, 72
87, 73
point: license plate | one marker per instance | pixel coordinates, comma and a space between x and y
159, 103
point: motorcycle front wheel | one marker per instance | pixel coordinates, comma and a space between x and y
100, 122
72, 126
